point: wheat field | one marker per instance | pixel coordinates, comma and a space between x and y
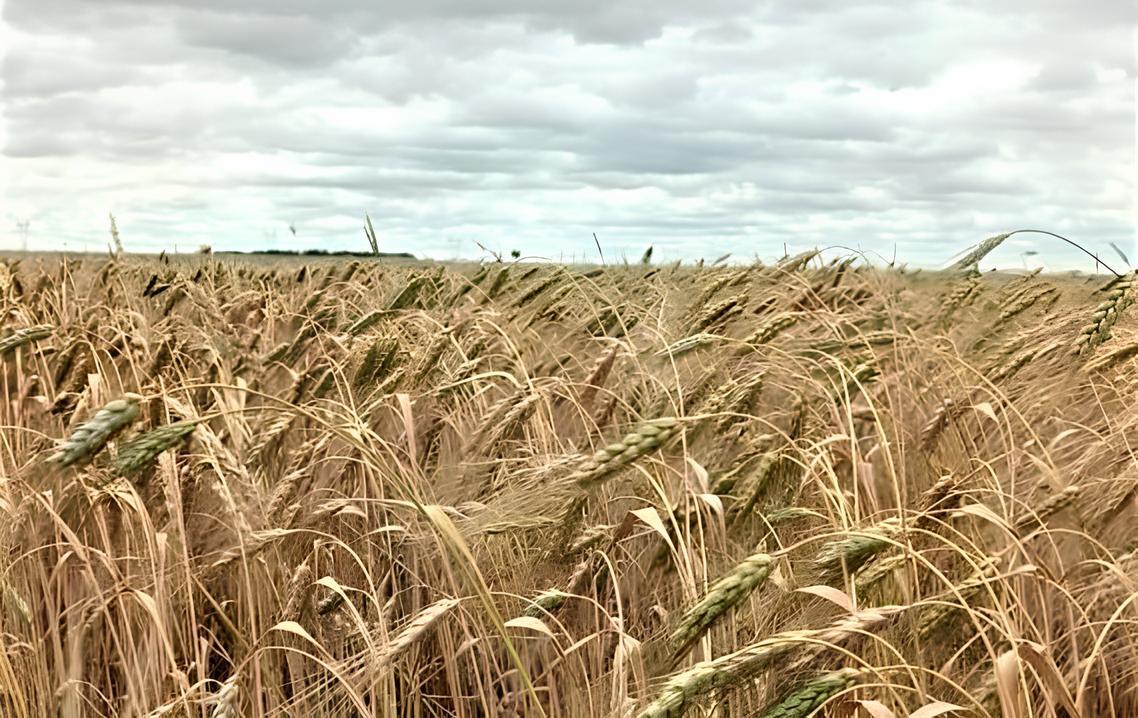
233, 488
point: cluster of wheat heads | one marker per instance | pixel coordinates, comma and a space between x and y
234, 488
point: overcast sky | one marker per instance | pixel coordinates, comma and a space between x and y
915, 126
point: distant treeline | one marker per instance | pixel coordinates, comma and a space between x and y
325, 253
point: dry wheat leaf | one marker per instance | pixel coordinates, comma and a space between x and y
932, 710
839, 598
986, 409
876, 709
530, 623
296, 629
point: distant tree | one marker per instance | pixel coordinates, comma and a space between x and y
515, 254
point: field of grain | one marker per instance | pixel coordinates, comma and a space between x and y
639, 491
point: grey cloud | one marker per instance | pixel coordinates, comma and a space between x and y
729, 124
729, 32
1064, 76
44, 74
292, 40
41, 144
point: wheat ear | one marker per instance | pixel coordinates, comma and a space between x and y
226, 700
546, 602
811, 695
721, 597
89, 438
645, 439
981, 250
683, 690
138, 453
22, 337
849, 554
1105, 316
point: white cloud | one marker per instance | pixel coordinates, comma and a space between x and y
723, 126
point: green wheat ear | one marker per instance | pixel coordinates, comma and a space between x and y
90, 437
812, 694
721, 597
21, 337
138, 453
646, 438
